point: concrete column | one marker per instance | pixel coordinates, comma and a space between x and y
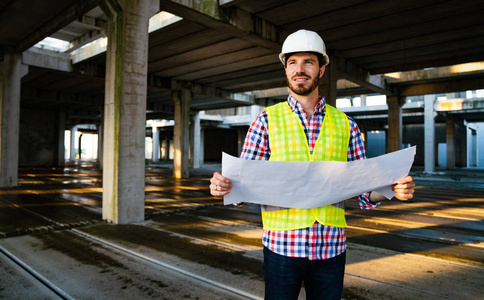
166, 141
169, 146
456, 142
363, 126
156, 143
191, 148
327, 87
163, 139
460, 142
429, 132
125, 109
450, 139
196, 140
255, 110
181, 133
61, 148
394, 123
202, 146
241, 133
100, 145
11, 73
79, 147
72, 150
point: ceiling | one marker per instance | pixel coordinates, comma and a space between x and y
233, 49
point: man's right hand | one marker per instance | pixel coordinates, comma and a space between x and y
219, 185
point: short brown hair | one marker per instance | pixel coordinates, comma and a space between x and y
321, 59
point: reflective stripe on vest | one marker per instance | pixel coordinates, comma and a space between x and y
288, 142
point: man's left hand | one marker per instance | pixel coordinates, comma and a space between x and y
404, 188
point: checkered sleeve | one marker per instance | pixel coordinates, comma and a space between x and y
356, 151
256, 144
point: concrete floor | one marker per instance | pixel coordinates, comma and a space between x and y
190, 246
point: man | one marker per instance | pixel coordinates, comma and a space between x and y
305, 245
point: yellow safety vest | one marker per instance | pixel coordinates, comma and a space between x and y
288, 142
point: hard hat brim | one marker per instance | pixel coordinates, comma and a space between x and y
282, 56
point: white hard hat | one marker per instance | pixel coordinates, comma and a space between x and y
304, 41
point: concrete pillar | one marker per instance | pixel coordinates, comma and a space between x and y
429, 133
191, 148
72, 150
181, 133
460, 142
202, 146
169, 146
11, 73
164, 155
363, 100
363, 126
241, 133
196, 140
327, 87
255, 110
100, 145
395, 125
125, 109
61, 148
166, 145
156, 143
450, 140
79, 147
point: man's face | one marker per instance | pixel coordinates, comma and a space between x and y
303, 73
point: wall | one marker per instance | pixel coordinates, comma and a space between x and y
375, 143
480, 145
38, 138
414, 135
218, 140
460, 133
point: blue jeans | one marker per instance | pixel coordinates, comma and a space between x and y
323, 279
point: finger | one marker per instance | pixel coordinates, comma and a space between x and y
218, 191
404, 196
214, 177
220, 177
213, 190
219, 188
223, 178
404, 193
404, 183
405, 180
403, 189
220, 180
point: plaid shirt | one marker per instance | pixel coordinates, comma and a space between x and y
317, 241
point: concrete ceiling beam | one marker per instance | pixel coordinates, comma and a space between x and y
85, 39
218, 93
55, 24
167, 84
354, 73
230, 20
443, 86
47, 59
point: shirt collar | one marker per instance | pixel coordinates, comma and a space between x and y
294, 104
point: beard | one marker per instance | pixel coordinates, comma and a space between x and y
299, 88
